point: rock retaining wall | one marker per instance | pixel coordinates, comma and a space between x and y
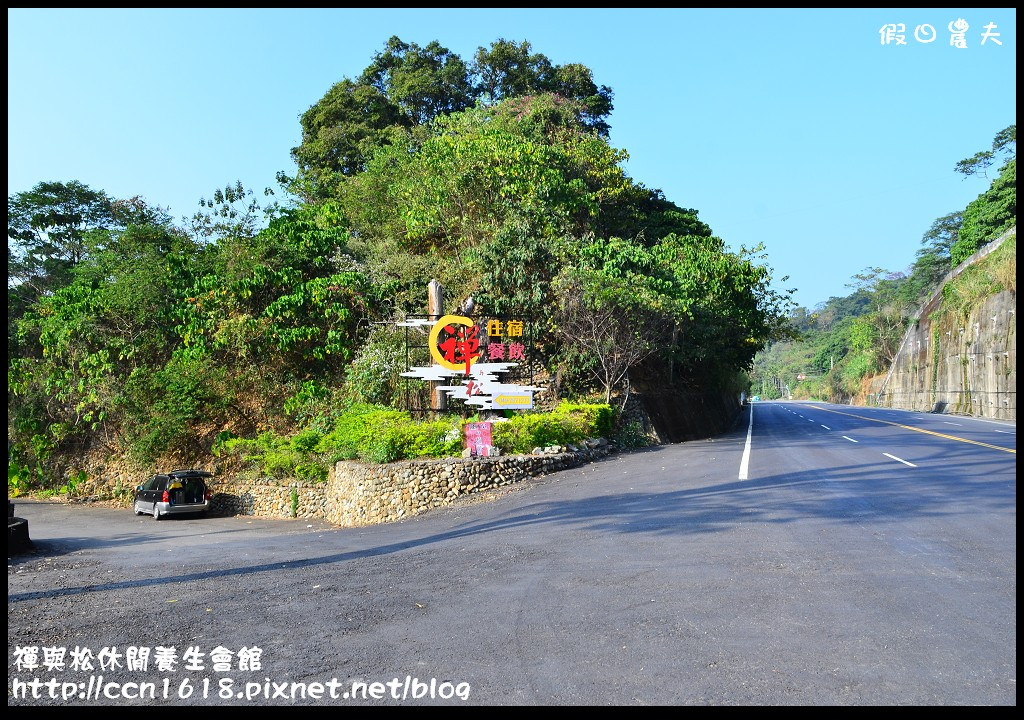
267, 497
365, 494
358, 494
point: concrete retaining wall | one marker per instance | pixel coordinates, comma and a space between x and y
959, 366
968, 368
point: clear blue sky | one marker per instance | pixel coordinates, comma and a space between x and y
794, 128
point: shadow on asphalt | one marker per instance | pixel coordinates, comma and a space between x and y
850, 494
59, 546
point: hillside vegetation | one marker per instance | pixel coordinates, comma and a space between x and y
844, 342
260, 324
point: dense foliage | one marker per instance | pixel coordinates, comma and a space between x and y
266, 328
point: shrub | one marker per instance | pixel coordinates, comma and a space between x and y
311, 472
375, 376
633, 435
305, 403
378, 434
598, 419
358, 428
306, 441
280, 464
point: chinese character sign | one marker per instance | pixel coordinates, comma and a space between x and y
474, 353
455, 342
478, 438
894, 34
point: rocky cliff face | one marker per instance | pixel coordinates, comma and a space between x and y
959, 362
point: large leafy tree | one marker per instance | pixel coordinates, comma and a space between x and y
341, 131
994, 210
684, 307
407, 87
46, 228
80, 344
476, 182
423, 82
509, 69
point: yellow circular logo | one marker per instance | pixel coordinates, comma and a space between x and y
459, 352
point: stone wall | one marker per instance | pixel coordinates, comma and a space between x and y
267, 497
361, 494
358, 494
958, 366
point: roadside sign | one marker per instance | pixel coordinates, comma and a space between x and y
478, 438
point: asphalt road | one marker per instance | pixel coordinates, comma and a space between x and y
867, 557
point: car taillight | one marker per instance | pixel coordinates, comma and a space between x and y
208, 495
166, 498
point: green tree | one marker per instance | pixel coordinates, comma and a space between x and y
340, 132
989, 215
509, 69
423, 82
407, 87
609, 325
994, 210
46, 228
79, 344
484, 180
1004, 143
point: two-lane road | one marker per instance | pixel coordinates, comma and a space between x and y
817, 554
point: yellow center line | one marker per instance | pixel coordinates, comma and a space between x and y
921, 430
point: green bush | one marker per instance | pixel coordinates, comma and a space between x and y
375, 375
599, 419
311, 472
378, 434
280, 464
219, 444
632, 436
306, 441
303, 405
358, 428
161, 408
440, 438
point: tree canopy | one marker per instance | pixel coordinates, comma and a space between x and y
407, 87
495, 176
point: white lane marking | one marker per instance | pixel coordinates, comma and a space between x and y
899, 460
993, 422
825, 426
745, 462
1004, 432
851, 439
949, 423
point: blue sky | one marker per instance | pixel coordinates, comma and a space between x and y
793, 128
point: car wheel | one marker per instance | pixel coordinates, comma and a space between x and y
156, 512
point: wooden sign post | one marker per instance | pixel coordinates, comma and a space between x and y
435, 309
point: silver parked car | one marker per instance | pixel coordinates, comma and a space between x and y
179, 491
